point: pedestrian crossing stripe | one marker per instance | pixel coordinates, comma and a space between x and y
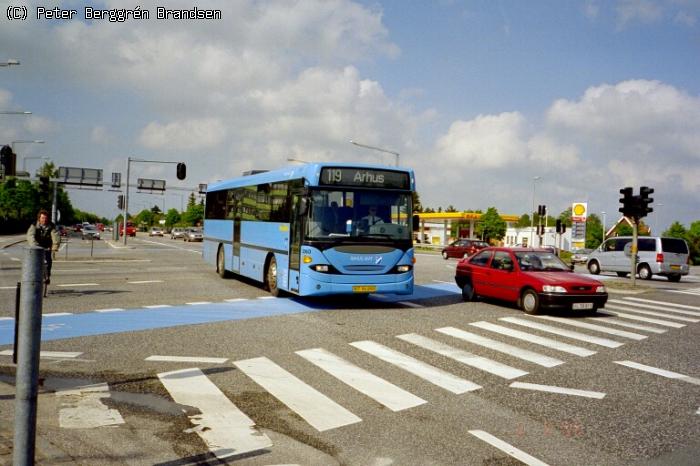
625, 315
650, 313
314, 407
562, 332
225, 429
597, 328
662, 372
383, 392
664, 303
655, 307
691, 291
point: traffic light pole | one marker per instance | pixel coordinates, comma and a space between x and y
633, 252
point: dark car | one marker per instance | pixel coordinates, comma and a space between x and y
532, 278
462, 248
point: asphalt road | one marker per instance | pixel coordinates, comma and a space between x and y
106, 314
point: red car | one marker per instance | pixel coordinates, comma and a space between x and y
532, 278
462, 248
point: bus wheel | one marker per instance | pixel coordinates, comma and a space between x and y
271, 277
221, 263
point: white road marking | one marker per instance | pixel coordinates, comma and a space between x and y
538, 340
432, 374
57, 314
199, 303
597, 328
235, 300
193, 359
666, 308
170, 246
661, 372
7, 318
622, 323
157, 306
651, 301
113, 309
313, 406
624, 315
15, 259
78, 284
75, 270
49, 354
691, 291
560, 390
698, 411
514, 351
442, 281
410, 304
82, 408
266, 297
479, 362
649, 313
8, 287
564, 333
383, 392
507, 448
222, 426
142, 282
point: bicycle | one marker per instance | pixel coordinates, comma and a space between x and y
45, 270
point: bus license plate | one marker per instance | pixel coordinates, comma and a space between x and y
582, 306
364, 289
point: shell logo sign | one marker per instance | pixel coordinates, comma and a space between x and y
579, 211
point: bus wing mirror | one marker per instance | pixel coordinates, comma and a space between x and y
303, 206
416, 223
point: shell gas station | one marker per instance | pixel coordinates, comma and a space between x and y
435, 227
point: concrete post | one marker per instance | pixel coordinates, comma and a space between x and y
29, 345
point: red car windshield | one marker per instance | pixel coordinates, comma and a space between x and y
540, 261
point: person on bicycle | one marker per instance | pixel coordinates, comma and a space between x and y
43, 233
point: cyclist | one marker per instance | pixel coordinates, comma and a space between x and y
43, 233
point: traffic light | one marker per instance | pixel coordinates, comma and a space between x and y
541, 210
630, 203
645, 200
561, 227
181, 171
8, 159
120, 202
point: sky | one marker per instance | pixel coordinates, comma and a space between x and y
478, 97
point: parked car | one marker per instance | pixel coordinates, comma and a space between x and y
155, 231
90, 232
668, 257
176, 233
193, 234
462, 248
580, 256
531, 278
62, 230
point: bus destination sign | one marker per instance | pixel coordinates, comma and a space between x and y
363, 177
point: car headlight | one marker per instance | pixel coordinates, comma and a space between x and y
553, 289
600, 289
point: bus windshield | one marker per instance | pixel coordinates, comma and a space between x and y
336, 214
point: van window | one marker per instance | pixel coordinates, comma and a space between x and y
676, 245
620, 243
609, 245
646, 244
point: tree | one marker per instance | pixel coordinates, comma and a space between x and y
676, 230
523, 221
491, 226
194, 215
417, 207
191, 201
594, 231
451, 208
172, 217
156, 210
565, 217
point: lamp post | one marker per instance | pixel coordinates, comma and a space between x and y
10, 112
604, 227
9, 62
532, 220
291, 159
377, 149
26, 141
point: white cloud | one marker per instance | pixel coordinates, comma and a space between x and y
40, 125
100, 135
643, 11
685, 18
488, 141
182, 135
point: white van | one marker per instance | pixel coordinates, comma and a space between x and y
655, 256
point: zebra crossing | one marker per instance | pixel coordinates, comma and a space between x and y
691, 291
228, 431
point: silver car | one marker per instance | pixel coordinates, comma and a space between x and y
90, 232
193, 234
177, 233
667, 257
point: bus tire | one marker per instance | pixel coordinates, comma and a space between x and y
221, 262
271, 277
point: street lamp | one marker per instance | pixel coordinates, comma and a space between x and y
9, 62
377, 149
604, 227
291, 159
34, 141
532, 220
7, 112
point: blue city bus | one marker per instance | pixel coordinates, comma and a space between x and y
315, 229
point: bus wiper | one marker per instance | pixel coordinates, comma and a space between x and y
376, 235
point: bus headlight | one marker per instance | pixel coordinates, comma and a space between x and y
320, 268
403, 268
